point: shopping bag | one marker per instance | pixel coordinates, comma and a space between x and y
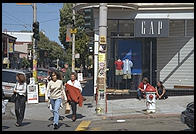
67, 108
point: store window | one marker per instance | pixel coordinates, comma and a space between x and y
126, 28
190, 28
176, 28
112, 27
120, 28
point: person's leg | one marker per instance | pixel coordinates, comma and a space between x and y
56, 107
139, 94
73, 106
22, 108
17, 105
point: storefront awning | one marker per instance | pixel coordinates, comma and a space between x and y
164, 16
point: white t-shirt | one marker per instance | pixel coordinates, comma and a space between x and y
76, 84
145, 85
21, 88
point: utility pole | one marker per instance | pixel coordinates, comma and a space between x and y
73, 41
101, 107
34, 44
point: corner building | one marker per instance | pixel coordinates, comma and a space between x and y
160, 37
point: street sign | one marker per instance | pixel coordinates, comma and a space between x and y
102, 40
73, 31
32, 94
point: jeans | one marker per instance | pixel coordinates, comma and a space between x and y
139, 93
20, 108
56, 103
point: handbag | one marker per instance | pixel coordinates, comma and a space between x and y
67, 108
13, 98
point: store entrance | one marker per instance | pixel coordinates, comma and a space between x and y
141, 52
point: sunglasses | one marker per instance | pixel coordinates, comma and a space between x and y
53, 75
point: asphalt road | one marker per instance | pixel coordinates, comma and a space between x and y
151, 124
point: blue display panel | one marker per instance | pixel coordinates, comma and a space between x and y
131, 49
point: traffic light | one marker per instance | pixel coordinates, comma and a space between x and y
91, 47
88, 18
36, 30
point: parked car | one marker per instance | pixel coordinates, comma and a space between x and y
9, 80
187, 116
42, 74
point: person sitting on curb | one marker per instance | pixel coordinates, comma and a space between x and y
141, 88
160, 91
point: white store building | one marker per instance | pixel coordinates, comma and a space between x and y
159, 35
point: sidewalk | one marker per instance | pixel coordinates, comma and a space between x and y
117, 109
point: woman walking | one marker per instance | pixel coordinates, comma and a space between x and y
20, 92
73, 92
57, 94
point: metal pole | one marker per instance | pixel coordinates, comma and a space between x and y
151, 62
34, 44
73, 42
101, 107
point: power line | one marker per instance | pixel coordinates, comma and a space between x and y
24, 25
16, 19
49, 20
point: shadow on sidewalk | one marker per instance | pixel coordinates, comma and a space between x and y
78, 116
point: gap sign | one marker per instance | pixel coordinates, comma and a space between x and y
151, 28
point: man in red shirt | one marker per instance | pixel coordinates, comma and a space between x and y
142, 87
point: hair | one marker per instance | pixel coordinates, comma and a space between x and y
21, 78
57, 74
161, 83
145, 79
75, 74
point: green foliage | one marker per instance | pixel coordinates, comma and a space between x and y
81, 40
25, 63
49, 51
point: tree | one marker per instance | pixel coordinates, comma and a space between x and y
81, 44
47, 51
25, 63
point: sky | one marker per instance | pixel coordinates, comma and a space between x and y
20, 17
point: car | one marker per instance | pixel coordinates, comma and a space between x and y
9, 80
187, 116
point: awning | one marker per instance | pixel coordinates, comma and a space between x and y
164, 16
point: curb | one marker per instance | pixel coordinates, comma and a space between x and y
144, 116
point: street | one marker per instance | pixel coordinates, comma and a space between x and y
149, 124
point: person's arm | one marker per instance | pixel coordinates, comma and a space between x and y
157, 91
163, 92
23, 90
78, 85
140, 87
64, 97
47, 90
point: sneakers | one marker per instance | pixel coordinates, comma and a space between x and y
56, 126
140, 98
17, 125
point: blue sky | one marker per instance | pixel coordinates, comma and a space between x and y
20, 17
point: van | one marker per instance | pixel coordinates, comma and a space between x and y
9, 80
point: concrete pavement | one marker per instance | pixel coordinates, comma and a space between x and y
117, 109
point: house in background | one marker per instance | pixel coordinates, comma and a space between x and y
9, 57
22, 44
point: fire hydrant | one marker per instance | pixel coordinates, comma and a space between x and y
150, 99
